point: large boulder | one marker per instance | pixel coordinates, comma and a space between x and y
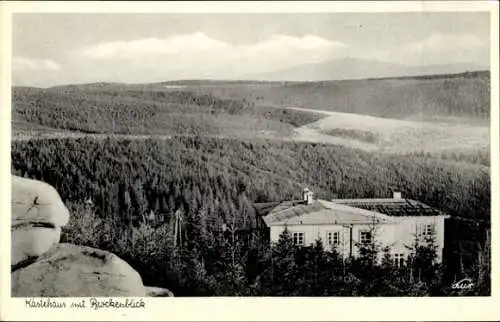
152, 291
29, 242
76, 271
38, 214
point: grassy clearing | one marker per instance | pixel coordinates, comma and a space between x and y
392, 135
360, 135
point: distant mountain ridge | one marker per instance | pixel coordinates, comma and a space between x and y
356, 68
424, 73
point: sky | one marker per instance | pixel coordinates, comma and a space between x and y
52, 49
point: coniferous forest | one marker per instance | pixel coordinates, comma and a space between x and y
127, 196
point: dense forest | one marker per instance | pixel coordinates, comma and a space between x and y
128, 109
126, 195
462, 95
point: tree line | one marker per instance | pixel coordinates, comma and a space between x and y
139, 109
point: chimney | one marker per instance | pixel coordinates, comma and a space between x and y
308, 196
396, 195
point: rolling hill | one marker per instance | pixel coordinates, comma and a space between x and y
123, 109
356, 68
464, 95
436, 113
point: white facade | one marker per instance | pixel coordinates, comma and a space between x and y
397, 232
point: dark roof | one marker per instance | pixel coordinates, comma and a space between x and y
392, 207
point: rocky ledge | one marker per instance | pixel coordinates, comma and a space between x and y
43, 267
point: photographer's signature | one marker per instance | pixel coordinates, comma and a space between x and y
463, 284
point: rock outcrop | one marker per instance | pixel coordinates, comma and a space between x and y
38, 214
70, 270
41, 266
158, 292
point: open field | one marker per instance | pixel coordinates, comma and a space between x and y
391, 135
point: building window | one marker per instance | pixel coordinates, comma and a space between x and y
298, 238
333, 238
365, 237
425, 230
399, 260
429, 230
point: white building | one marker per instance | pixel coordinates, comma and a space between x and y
344, 223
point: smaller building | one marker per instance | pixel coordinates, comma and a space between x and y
396, 223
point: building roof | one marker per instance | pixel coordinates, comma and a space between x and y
394, 207
319, 212
341, 211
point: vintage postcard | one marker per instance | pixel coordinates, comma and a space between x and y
230, 161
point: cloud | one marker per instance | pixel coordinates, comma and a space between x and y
136, 49
23, 64
198, 55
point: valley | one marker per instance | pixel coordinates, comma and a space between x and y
207, 151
